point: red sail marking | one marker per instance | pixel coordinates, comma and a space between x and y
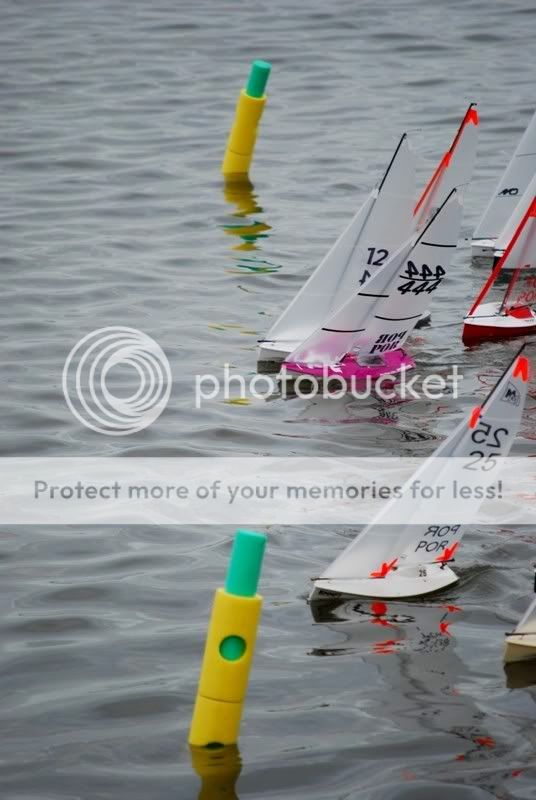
531, 212
443, 164
444, 628
475, 416
452, 608
471, 116
384, 570
521, 369
447, 554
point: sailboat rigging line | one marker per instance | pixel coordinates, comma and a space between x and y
392, 161
432, 218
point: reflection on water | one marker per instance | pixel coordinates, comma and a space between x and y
520, 674
345, 410
218, 769
240, 193
412, 645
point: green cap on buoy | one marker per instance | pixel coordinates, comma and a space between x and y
258, 78
245, 565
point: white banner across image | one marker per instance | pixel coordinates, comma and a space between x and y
266, 490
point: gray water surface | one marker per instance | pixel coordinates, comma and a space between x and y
114, 119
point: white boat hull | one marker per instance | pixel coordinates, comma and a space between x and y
520, 648
485, 253
410, 582
268, 352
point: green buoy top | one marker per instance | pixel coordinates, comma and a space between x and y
258, 78
245, 565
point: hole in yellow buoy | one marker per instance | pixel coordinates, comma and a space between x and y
232, 648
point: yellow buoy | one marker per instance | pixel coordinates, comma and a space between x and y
229, 647
251, 102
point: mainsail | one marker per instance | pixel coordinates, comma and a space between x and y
378, 229
379, 317
511, 186
455, 169
386, 559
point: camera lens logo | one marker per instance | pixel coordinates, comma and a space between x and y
121, 359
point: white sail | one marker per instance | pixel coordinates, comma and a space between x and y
521, 644
454, 170
381, 315
519, 256
380, 226
424, 269
511, 186
397, 554
517, 215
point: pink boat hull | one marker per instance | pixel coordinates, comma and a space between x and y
349, 369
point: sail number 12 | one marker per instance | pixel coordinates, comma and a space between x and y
377, 256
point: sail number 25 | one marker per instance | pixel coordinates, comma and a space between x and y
420, 280
486, 437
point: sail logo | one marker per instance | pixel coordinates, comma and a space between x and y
436, 542
387, 341
511, 395
116, 380
509, 192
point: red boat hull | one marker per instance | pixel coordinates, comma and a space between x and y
472, 334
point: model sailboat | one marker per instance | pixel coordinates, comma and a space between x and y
505, 209
455, 169
364, 337
513, 316
388, 560
521, 644
387, 220
381, 225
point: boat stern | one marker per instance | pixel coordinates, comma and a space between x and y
409, 582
